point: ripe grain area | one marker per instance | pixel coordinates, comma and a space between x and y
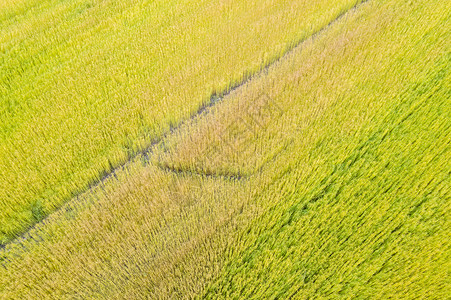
85, 85
325, 176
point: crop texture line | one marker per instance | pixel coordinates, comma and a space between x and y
207, 174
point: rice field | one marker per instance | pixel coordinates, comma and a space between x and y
325, 174
86, 85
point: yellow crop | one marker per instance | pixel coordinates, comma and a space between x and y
325, 176
85, 85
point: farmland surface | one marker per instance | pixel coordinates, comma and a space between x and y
324, 175
85, 85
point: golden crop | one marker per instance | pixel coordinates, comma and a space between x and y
324, 176
86, 85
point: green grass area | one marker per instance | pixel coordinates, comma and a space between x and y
325, 176
85, 85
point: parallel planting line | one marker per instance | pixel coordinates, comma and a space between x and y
76, 202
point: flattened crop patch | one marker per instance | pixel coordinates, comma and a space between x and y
230, 141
